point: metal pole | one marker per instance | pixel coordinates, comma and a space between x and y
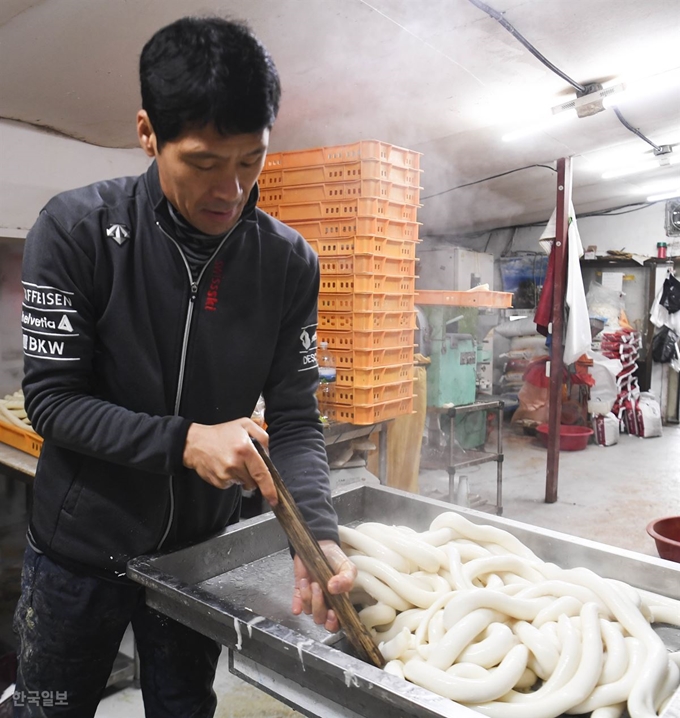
499, 462
556, 362
452, 463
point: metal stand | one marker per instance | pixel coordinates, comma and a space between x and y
459, 460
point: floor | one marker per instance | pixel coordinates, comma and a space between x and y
607, 494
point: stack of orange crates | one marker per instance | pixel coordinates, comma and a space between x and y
357, 206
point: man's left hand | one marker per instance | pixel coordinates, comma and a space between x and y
309, 598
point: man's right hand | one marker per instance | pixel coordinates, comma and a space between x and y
224, 454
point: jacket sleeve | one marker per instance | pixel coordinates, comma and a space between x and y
296, 441
59, 321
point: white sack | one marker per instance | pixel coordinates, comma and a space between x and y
520, 327
533, 344
648, 414
603, 394
606, 429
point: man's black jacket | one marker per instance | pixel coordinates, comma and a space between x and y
123, 352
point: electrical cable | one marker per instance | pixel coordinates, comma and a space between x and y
637, 206
499, 17
486, 179
611, 212
634, 130
580, 88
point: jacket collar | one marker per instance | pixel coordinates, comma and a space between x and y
153, 186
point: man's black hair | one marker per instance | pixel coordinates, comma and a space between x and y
200, 71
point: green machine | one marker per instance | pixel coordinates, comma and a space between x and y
449, 340
452, 375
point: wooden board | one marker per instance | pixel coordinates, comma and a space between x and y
471, 298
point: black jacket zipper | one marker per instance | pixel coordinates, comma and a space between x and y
185, 344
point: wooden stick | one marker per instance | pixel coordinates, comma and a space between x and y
308, 549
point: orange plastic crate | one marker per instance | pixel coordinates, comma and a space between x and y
356, 226
359, 170
363, 415
341, 341
340, 190
372, 358
270, 197
330, 209
367, 321
329, 302
22, 439
378, 246
368, 264
362, 396
364, 150
377, 376
272, 210
366, 283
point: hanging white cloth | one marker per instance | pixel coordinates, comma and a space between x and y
577, 336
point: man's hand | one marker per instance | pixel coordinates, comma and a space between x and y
308, 596
224, 454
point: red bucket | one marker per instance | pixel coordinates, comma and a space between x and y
666, 533
572, 438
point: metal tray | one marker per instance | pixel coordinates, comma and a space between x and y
237, 588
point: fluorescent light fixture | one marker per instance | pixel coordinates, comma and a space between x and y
542, 126
596, 98
642, 88
638, 167
659, 187
603, 161
665, 195
632, 169
592, 101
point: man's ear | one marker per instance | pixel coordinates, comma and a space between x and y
146, 135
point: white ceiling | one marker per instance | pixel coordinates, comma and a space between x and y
438, 76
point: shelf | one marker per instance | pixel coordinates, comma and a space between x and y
625, 262
18, 461
474, 458
470, 298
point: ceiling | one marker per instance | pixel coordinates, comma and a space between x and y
437, 76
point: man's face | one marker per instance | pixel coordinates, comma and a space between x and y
205, 175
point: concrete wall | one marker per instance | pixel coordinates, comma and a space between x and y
36, 165
11, 357
636, 232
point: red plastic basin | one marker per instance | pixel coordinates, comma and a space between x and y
666, 533
572, 438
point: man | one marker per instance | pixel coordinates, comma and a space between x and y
157, 309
